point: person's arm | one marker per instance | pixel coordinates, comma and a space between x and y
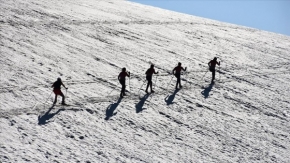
52, 85
173, 70
63, 85
146, 72
209, 63
219, 63
155, 72
128, 74
119, 76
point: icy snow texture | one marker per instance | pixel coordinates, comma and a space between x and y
243, 117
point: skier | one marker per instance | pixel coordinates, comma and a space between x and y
177, 74
149, 73
122, 80
56, 89
212, 65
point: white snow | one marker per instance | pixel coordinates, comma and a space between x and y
243, 117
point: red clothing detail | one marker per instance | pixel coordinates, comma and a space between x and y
57, 85
57, 92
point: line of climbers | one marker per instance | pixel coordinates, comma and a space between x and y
149, 73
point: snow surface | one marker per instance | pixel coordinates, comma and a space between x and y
243, 117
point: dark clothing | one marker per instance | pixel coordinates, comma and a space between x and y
123, 75
57, 91
178, 82
212, 74
123, 83
212, 65
149, 73
149, 78
178, 69
122, 80
57, 85
177, 74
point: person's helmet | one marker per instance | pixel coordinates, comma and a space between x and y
124, 69
215, 58
179, 63
152, 66
58, 79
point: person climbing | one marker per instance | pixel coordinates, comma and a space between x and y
57, 91
149, 73
212, 65
177, 74
122, 80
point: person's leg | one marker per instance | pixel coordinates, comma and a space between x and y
212, 70
213, 75
121, 93
63, 98
149, 79
123, 87
55, 99
147, 87
150, 83
178, 81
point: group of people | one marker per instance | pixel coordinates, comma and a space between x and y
149, 73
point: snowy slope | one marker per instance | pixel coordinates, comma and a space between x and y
243, 117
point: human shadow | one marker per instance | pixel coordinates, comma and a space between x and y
139, 106
169, 99
42, 120
111, 108
206, 91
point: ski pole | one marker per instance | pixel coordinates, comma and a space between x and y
141, 88
219, 70
204, 75
155, 81
169, 83
186, 74
48, 97
45, 101
129, 82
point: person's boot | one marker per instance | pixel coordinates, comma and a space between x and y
152, 91
63, 103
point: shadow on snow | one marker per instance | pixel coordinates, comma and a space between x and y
139, 106
206, 91
42, 120
111, 108
169, 99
